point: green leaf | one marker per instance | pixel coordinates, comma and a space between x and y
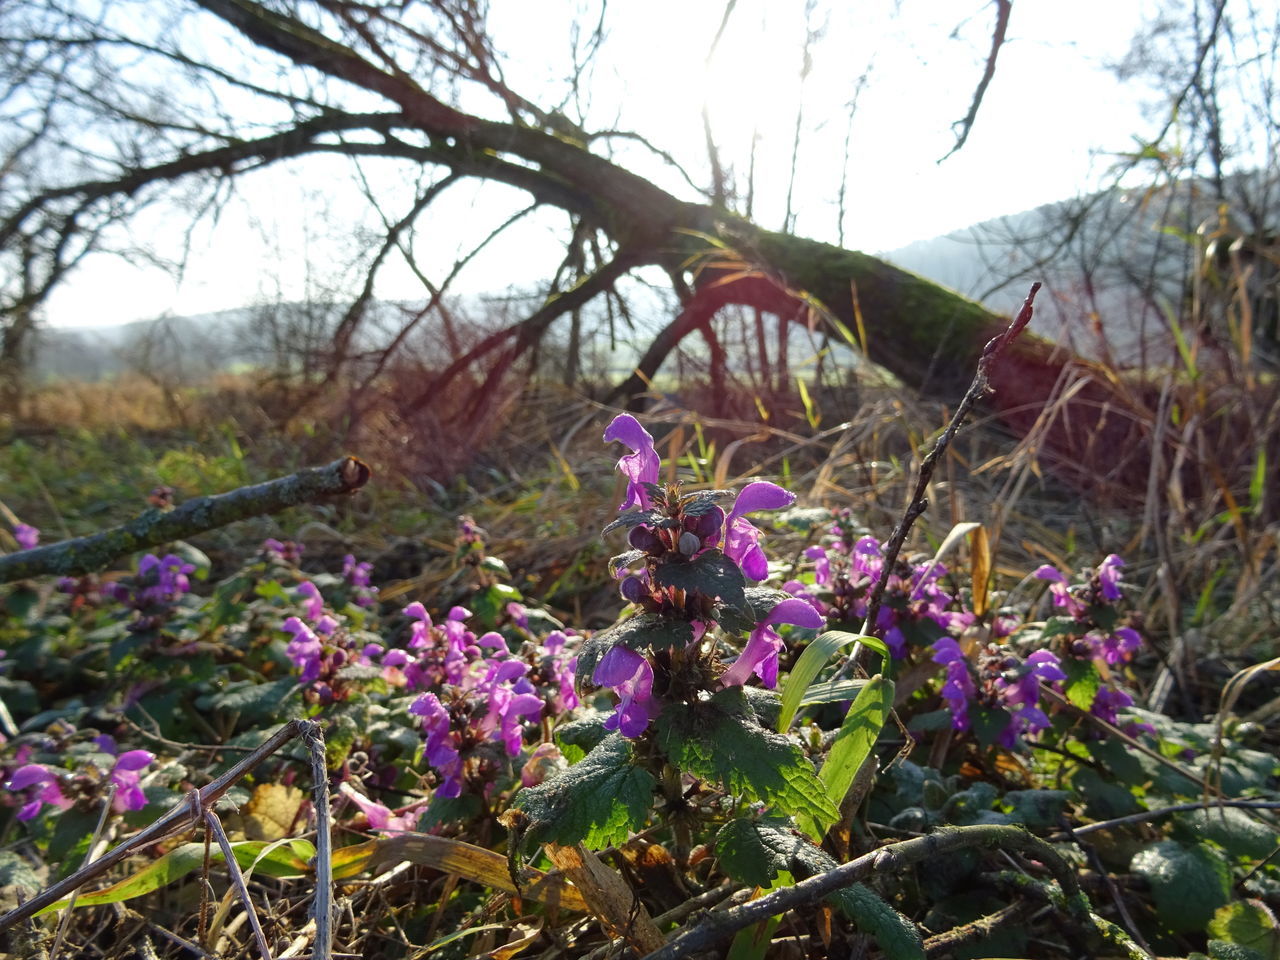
710, 573
1060, 627
811, 662
702, 502
443, 810
597, 802
254, 701
1233, 829
282, 859
1248, 923
853, 744
645, 630
1188, 883
633, 518
1083, 681
720, 740
579, 737
756, 851
1037, 809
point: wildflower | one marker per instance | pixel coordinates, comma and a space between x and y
305, 649
1118, 646
959, 688
631, 677
760, 655
382, 819
1061, 590
742, 539
1109, 577
312, 599
26, 535
125, 775
48, 789
440, 752
641, 466
358, 577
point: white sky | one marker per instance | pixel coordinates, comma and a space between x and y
1048, 118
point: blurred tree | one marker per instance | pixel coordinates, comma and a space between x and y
110, 106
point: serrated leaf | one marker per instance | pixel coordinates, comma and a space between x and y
633, 518
710, 573
1234, 830
579, 737
253, 700
597, 802
1248, 923
626, 559
1188, 883
645, 630
853, 744
720, 740
702, 502
1037, 809
751, 850
1082, 683
1060, 627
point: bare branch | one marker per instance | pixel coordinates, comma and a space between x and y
1003, 9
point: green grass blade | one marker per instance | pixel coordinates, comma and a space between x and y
811, 662
853, 744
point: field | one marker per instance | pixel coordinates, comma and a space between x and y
444, 715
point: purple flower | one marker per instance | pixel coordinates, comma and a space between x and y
742, 539
1061, 590
313, 602
760, 655
959, 688
631, 677
440, 750
382, 819
1109, 577
1107, 703
26, 535
641, 466
304, 649
421, 630
821, 565
357, 576
125, 776
48, 789
1117, 647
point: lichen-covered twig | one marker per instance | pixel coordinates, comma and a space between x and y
887, 859
99, 550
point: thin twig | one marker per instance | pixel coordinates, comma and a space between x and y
919, 499
1159, 812
179, 818
322, 907
237, 880
154, 527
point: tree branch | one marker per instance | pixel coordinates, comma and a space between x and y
1003, 9
86, 554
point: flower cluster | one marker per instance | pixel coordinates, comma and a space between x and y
1002, 684
1084, 648
1089, 629
40, 784
158, 584
845, 572
357, 575
476, 694
690, 559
